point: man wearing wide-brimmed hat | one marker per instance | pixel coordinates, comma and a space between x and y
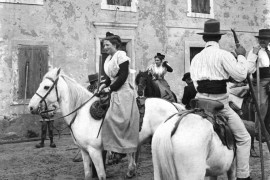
261, 55
189, 90
210, 69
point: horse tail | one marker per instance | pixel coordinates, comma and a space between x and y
162, 150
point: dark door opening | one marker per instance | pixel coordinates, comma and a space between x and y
194, 51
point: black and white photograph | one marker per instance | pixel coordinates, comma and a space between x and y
135, 89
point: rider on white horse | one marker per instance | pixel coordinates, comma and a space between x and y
210, 69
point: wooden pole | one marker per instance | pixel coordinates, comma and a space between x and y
26, 83
259, 124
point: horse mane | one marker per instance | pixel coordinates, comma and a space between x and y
77, 93
151, 90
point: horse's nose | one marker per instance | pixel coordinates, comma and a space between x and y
31, 109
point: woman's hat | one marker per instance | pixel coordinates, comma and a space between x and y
212, 28
186, 76
264, 33
160, 56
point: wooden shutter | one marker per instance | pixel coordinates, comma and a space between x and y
36, 57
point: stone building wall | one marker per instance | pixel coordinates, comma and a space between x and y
72, 30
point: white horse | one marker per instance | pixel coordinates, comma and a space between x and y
84, 128
157, 110
193, 152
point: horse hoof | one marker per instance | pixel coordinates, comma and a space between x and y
254, 154
130, 174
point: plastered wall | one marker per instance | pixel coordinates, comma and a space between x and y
71, 28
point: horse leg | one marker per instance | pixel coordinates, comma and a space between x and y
94, 171
131, 165
137, 154
86, 164
231, 174
97, 159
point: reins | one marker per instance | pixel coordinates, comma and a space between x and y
75, 110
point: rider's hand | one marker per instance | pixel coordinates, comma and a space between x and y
107, 90
102, 86
256, 50
240, 50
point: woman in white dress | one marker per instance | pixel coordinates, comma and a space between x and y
120, 130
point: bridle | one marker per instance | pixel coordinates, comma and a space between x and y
47, 110
48, 92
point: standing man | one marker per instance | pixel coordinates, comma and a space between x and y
47, 123
261, 55
210, 69
189, 90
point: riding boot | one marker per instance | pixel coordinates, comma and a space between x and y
248, 178
52, 145
41, 144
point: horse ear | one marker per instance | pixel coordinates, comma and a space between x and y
58, 71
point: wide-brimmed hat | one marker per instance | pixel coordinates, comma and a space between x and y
212, 28
186, 76
160, 56
264, 33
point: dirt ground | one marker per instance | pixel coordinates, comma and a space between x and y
22, 161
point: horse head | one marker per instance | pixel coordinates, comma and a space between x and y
141, 82
47, 92
146, 87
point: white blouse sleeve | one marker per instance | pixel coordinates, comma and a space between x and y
122, 57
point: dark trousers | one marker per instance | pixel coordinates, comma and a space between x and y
44, 126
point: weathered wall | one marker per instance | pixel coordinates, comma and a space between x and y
246, 17
68, 28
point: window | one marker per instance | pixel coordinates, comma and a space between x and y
34, 2
191, 49
119, 2
121, 5
200, 8
194, 51
32, 66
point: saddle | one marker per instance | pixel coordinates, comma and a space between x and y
209, 109
99, 108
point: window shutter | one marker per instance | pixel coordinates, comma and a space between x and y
37, 58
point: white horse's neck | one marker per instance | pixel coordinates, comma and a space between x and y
64, 99
67, 100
